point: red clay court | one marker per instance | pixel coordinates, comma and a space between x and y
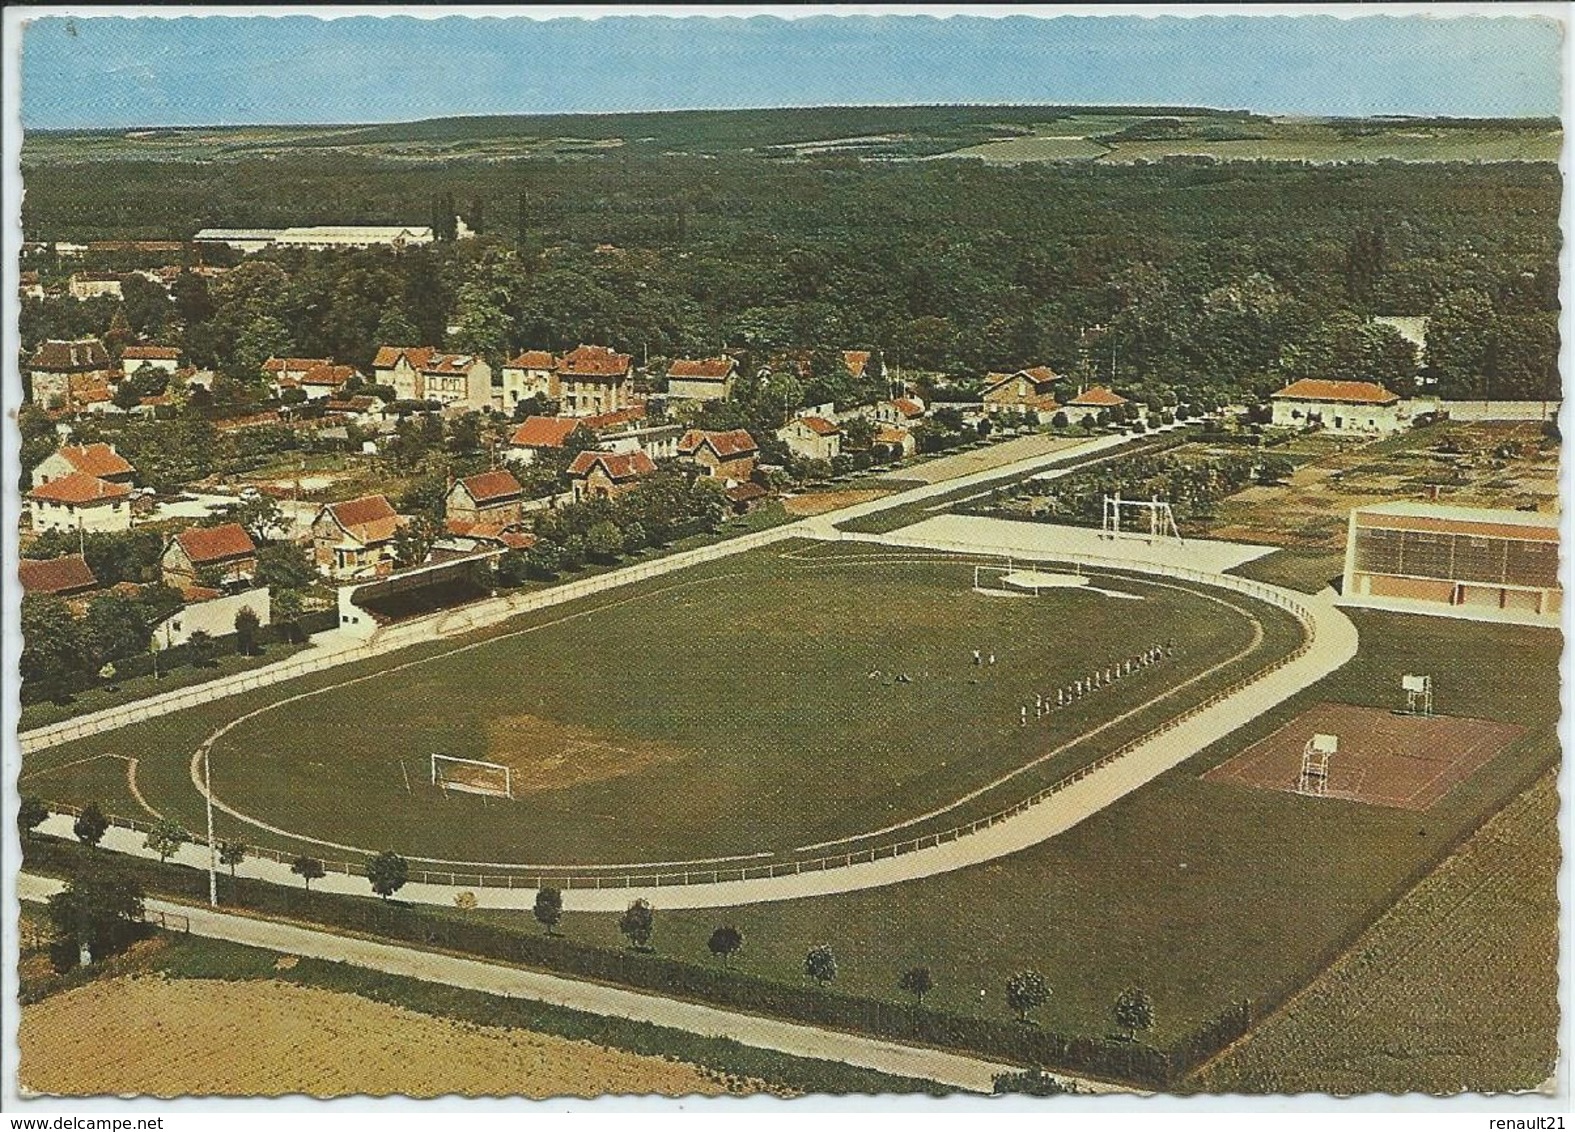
1407, 762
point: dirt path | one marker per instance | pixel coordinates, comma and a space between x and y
212, 1037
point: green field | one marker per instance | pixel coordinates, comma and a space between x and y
1462, 975
748, 706
997, 134
1204, 893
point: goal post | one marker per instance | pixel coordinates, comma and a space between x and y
472, 776
1154, 514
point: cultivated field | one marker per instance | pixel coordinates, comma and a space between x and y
211, 1037
1460, 979
1481, 465
766, 702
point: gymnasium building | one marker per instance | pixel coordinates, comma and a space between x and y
1474, 563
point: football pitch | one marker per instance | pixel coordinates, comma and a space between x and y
769, 703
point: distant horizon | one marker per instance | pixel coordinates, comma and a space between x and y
294, 69
1176, 107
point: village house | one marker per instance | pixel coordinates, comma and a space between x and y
325, 380
1030, 391
323, 237
422, 373
355, 538
29, 286
607, 474
98, 460
708, 379
134, 358
902, 411
1095, 399
492, 498
224, 555
58, 370
213, 614
814, 438
69, 576
363, 408
622, 431
858, 361
726, 456
1360, 407
85, 285
536, 435
593, 380
900, 440
285, 373
80, 502
533, 373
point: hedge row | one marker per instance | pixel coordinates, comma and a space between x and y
1131, 1062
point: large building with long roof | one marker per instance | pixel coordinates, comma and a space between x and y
1469, 562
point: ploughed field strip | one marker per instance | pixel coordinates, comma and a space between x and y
790, 703
1385, 758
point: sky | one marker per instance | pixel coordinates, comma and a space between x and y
110, 71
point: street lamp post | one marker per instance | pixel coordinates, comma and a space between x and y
213, 850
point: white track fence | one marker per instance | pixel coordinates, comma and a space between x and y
626, 876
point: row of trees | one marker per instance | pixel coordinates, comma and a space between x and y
1026, 991
100, 907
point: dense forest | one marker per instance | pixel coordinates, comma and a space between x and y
1180, 274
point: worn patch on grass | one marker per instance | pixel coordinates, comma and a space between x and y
547, 755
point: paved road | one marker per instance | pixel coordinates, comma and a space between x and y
952, 1069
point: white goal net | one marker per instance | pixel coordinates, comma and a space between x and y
472, 776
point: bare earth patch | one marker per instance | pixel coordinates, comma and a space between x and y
185, 1037
819, 502
547, 755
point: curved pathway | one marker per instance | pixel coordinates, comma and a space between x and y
1333, 643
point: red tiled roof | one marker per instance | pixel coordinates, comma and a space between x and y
508, 534
328, 374
543, 432
151, 353
96, 460
891, 434
79, 487
205, 545
1097, 397
493, 485
1359, 392
193, 594
908, 407
594, 361
294, 365
82, 354
617, 465
449, 364
819, 425
67, 575
388, 356
856, 360
615, 418
1040, 374
358, 404
727, 445
715, 369
744, 492
534, 359
371, 518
